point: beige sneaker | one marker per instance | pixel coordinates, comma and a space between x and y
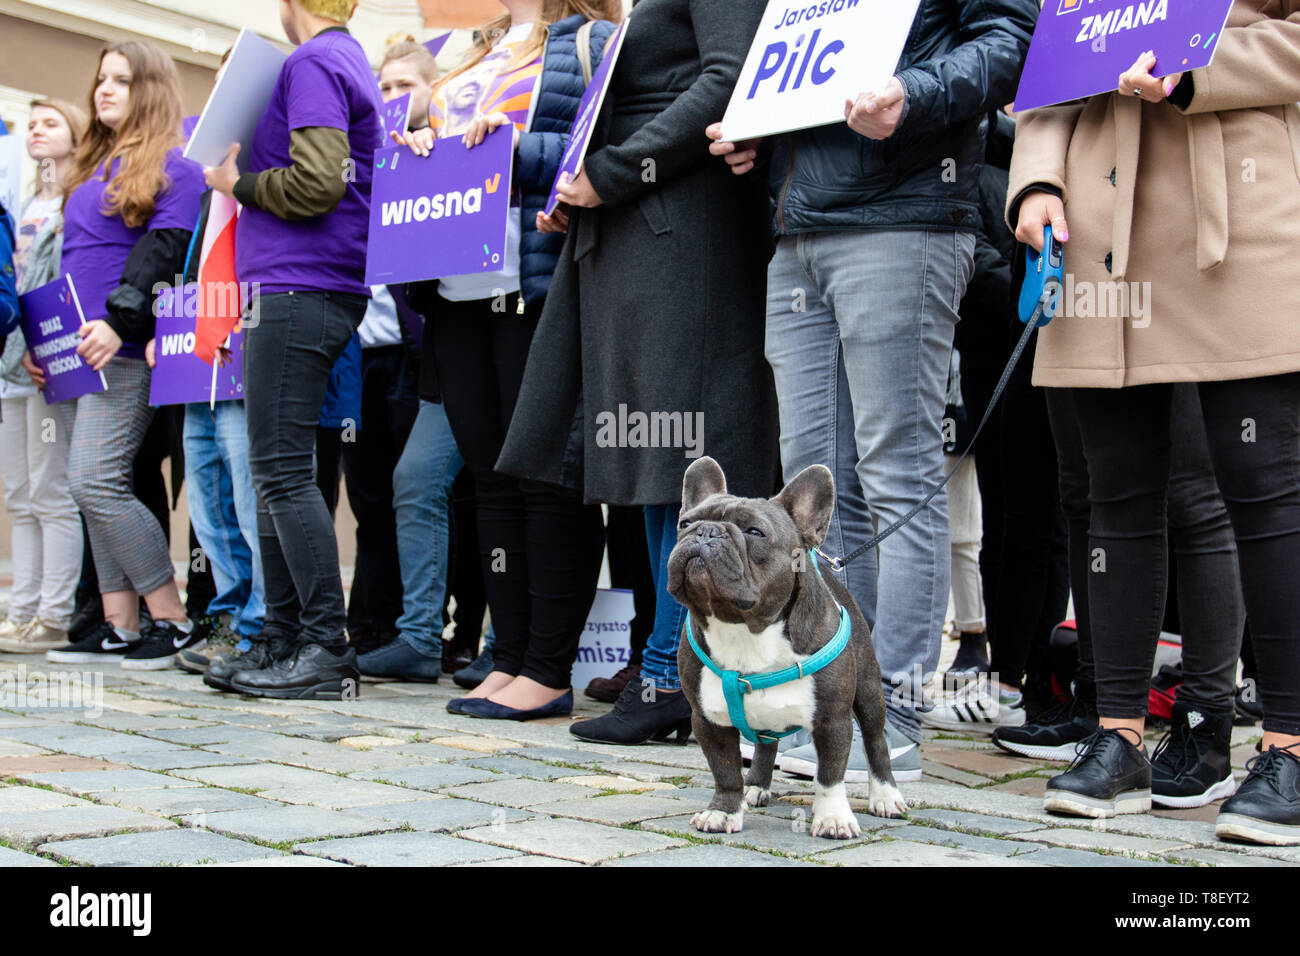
36, 638
11, 634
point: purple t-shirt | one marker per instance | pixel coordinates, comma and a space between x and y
96, 245
325, 82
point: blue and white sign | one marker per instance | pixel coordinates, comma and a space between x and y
809, 58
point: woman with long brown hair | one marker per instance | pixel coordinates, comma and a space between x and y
130, 208
540, 546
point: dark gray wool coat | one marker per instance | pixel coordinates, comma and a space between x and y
658, 302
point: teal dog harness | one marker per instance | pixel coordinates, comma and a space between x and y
735, 686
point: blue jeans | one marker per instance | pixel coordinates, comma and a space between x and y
421, 486
859, 336
659, 659
223, 510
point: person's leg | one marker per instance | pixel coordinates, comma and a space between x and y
240, 502
472, 399
629, 568
287, 360
897, 330
49, 439
15, 473
130, 548
965, 533
979, 376
209, 506
1209, 593
1253, 427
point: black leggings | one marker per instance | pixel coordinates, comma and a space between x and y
540, 546
1253, 431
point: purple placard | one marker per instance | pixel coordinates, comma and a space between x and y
1081, 47
444, 214
181, 377
588, 111
51, 321
396, 116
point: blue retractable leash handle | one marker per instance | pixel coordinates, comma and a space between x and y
1039, 299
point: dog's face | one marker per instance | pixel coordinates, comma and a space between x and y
736, 559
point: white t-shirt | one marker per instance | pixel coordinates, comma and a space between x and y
490, 87
381, 325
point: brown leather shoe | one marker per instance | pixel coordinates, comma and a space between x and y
607, 689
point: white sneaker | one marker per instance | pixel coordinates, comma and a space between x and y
904, 758
796, 739
12, 633
976, 709
36, 637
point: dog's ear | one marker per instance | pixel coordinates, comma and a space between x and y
702, 479
809, 497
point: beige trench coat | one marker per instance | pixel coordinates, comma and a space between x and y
1203, 205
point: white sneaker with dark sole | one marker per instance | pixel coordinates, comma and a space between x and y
904, 759
103, 645
975, 709
1224, 788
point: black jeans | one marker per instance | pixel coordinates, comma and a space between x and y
1252, 430
288, 354
629, 568
389, 404
540, 546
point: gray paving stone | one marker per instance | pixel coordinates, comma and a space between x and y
14, 858
766, 832
98, 781
1214, 858
34, 798
1289, 853
1059, 856
433, 753
715, 854
1090, 840
521, 793
980, 822
638, 770
154, 849
181, 760
700, 795
907, 853
198, 735
529, 862
569, 755
964, 841
445, 815
418, 848
181, 802
282, 860
257, 776
617, 809
434, 777
280, 824
16, 748
86, 741
66, 823
147, 724
519, 767
342, 793
571, 839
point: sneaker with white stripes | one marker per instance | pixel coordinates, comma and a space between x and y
904, 758
976, 709
796, 739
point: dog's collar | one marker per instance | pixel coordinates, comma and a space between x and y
735, 686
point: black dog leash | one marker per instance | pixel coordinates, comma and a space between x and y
837, 564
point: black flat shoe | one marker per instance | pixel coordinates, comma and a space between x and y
635, 721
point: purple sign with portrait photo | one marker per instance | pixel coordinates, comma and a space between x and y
181, 377
444, 214
1080, 47
588, 111
51, 320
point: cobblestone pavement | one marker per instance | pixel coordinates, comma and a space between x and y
159, 769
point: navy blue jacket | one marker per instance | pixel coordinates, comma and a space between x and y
537, 161
8, 283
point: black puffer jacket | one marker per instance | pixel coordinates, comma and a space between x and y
962, 60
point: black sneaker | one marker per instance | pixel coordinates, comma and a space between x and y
1054, 734
972, 660
263, 651
312, 672
1192, 765
156, 650
1266, 807
1109, 776
101, 644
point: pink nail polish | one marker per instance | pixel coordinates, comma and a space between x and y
1169, 87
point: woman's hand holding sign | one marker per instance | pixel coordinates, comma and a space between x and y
739, 156
482, 125
99, 343
578, 191
33, 370
1138, 81
420, 140
876, 115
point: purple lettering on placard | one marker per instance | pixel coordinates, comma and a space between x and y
444, 214
1080, 47
51, 320
588, 111
181, 377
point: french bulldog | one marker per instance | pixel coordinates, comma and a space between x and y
757, 603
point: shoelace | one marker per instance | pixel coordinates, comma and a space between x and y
1180, 734
1085, 748
1268, 766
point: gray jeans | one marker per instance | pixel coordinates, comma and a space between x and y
859, 336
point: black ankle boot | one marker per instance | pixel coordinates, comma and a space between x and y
1192, 765
636, 721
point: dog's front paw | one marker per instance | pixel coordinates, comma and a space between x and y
885, 800
757, 797
717, 821
832, 817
